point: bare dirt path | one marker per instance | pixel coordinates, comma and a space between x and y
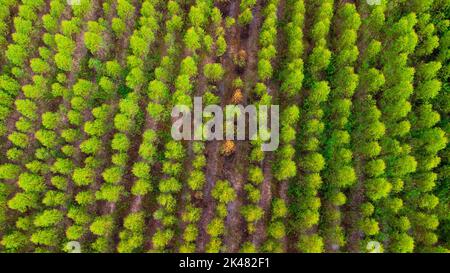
236, 167
215, 162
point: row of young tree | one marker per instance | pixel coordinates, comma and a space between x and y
339, 174
6, 17
291, 84
157, 91
191, 215
368, 129
175, 152
60, 175
18, 55
76, 100
71, 92
223, 193
305, 204
442, 23
426, 139
85, 125
96, 124
246, 11
394, 101
213, 44
35, 128
388, 166
252, 211
127, 121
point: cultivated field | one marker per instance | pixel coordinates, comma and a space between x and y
87, 89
